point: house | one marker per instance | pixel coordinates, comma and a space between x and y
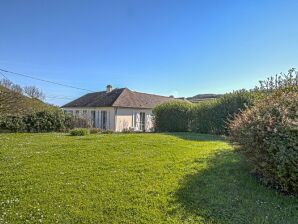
117, 109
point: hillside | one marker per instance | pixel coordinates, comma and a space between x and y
202, 97
12, 103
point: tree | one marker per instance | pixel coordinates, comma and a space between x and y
6, 83
34, 92
10, 85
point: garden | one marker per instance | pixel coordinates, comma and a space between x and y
228, 160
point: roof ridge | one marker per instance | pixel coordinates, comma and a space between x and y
123, 89
151, 94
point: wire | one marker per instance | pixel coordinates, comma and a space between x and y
3, 75
59, 97
43, 80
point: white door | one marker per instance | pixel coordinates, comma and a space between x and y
137, 121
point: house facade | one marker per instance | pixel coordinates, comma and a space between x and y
118, 109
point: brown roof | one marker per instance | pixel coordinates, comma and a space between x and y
119, 98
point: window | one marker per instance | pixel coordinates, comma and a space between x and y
103, 120
93, 118
77, 112
69, 112
85, 113
142, 121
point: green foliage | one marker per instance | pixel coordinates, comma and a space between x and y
172, 116
108, 132
12, 123
43, 121
212, 116
95, 130
268, 134
208, 116
79, 132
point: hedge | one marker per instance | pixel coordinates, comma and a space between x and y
205, 117
172, 116
43, 121
268, 134
211, 117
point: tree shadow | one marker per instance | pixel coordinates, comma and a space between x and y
192, 136
225, 192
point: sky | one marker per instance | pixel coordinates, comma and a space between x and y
165, 47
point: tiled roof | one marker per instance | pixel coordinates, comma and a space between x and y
119, 98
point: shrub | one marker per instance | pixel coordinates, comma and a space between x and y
108, 132
43, 121
172, 116
79, 132
268, 134
128, 130
12, 123
95, 130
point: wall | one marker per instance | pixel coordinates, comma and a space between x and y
110, 115
118, 119
126, 118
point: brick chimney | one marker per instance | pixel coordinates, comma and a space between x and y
109, 88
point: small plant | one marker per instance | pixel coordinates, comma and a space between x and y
128, 130
108, 132
95, 130
79, 132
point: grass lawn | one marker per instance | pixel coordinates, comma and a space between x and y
132, 178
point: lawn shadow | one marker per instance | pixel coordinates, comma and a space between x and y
195, 136
225, 192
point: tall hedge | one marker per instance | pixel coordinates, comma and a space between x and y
268, 134
205, 117
172, 116
212, 116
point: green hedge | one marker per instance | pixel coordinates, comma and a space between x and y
172, 116
205, 117
212, 116
44, 121
268, 134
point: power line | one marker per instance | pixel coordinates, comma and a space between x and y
3, 75
43, 80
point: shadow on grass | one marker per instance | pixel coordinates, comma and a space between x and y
195, 136
225, 193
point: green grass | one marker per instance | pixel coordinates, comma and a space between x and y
132, 178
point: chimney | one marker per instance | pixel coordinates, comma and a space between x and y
109, 88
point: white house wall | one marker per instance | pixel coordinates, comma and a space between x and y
110, 115
118, 119
126, 118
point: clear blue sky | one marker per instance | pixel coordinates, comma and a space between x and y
163, 47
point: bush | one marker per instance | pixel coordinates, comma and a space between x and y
268, 134
12, 123
43, 121
108, 132
95, 130
79, 132
172, 116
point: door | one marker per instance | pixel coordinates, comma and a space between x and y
93, 118
103, 121
142, 121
